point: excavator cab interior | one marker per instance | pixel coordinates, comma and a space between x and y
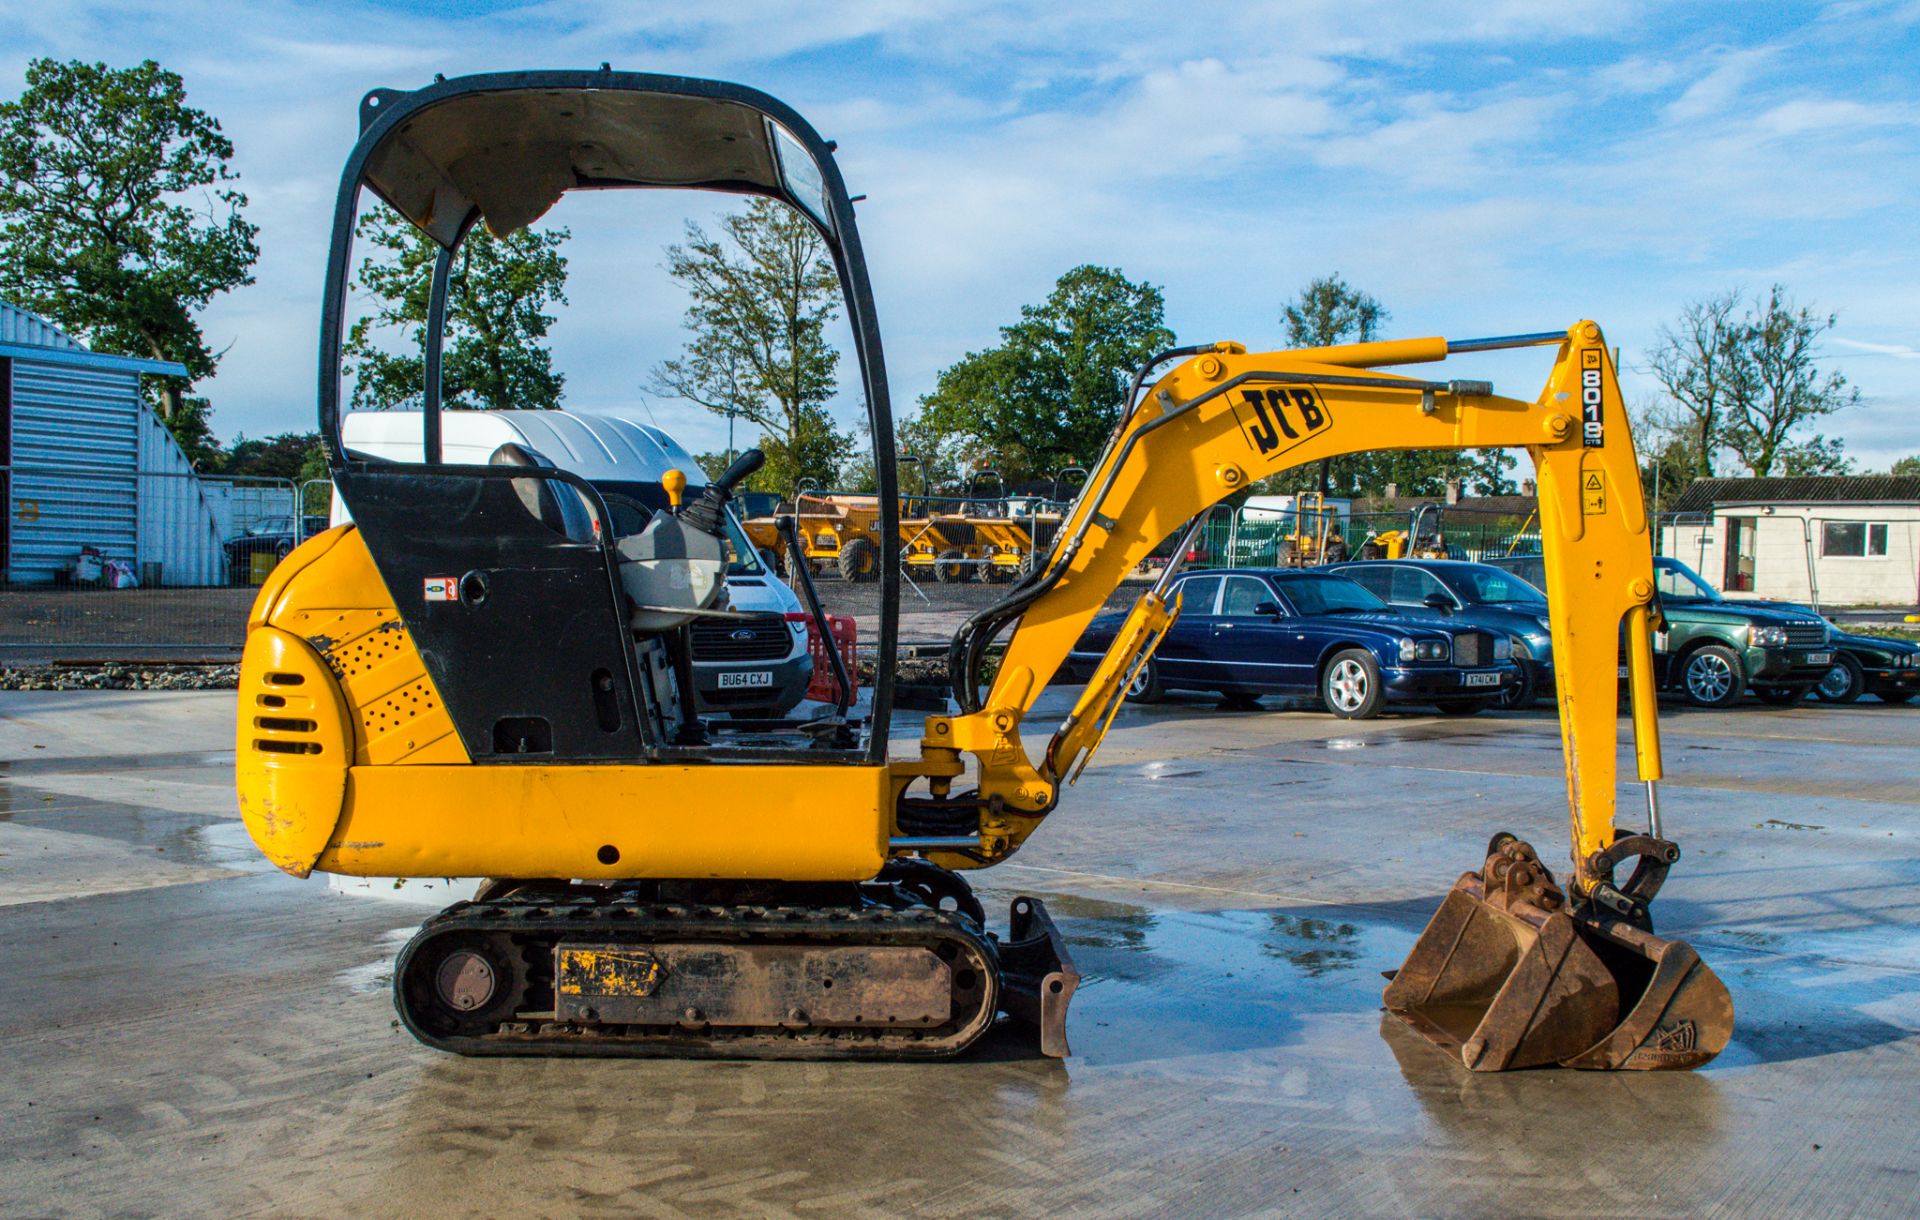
484, 675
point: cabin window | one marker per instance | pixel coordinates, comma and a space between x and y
1853, 539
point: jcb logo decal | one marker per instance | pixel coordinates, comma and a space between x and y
1276, 419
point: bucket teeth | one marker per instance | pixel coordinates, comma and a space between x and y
1506, 977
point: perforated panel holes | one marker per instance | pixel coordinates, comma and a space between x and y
399, 708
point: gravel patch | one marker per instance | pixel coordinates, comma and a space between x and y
121, 677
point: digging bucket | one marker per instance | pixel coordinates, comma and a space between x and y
1505, 976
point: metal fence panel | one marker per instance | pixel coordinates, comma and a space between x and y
192, 554
180, 537
1253, 537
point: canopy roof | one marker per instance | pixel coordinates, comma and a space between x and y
512, 153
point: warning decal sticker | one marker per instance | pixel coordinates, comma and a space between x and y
441, 589
1593, 494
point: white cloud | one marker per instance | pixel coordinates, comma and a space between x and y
1720, 88
1899, 351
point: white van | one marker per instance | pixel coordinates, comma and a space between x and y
750, 668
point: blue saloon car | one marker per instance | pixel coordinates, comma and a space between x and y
1475, 593
1261, 631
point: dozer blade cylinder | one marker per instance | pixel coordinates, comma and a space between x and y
1505, 977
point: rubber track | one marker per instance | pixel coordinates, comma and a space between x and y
534, 928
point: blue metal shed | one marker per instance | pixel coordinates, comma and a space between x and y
75, 441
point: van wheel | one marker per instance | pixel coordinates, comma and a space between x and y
1712, 677
1350, 685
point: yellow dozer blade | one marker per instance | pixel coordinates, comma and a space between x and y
1506, 976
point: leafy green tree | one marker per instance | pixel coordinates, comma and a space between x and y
1049, 394
763, 293
1906, 467
1777, 389
1694, 363
118, 220
1749, 383
287, 456
493, 354
313, 466
1666, 442
1327, 312
1331, 311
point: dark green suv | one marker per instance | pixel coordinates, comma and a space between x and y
1713, 650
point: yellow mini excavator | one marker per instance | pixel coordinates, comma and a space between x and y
486, 674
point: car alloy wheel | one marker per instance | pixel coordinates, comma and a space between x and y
1145, 686
1836, 684
1347, 685
1709, 677
1845, 682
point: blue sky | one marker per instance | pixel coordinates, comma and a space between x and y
1481, 167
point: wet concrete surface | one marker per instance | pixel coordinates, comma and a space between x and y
184, 1030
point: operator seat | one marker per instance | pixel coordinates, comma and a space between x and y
551, 502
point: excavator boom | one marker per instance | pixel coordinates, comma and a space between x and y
1225, 418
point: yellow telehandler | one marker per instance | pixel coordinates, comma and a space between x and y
481, 677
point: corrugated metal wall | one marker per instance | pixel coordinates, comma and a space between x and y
178, 530
19, 326
75, 445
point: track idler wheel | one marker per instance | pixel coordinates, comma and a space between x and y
1507, 976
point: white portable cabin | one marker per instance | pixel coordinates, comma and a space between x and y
1840, 540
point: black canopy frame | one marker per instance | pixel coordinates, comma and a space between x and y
499, 148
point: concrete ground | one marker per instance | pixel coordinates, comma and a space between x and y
184, 1031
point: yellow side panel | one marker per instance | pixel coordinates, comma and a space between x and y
785, 822
284, 572
290, 749
338, 604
